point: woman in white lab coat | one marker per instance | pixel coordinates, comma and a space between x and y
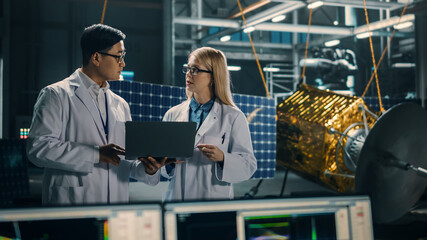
223, 152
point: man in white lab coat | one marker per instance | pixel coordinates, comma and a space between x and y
78, 129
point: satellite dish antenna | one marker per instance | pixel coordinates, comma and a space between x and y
391, 161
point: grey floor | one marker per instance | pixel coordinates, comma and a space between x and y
139, 191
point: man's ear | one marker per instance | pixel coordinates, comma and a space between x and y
94, 59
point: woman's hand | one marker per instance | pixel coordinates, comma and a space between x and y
212, 152
152, 165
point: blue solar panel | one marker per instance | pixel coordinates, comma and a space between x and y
14, 182
149, 102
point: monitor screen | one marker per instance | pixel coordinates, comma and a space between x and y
214, 225
280, 224
287, 218
83, 222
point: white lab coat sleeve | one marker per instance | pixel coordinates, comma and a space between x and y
44, 146
163, 171
239, 161
167, 175
168, 116
138, 173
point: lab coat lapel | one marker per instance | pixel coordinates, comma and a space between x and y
83, 94
185, 113
210, 121
184, 117
112, 114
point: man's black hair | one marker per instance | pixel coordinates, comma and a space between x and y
98, 37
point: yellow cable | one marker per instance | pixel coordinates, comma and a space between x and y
253, 49
103, 12
306, 41
385, 49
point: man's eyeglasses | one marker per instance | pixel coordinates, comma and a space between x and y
194, 70
119, 58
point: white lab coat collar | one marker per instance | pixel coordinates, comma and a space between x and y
92, 86
83, 94
210, 119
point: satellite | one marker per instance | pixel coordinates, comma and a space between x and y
339, 142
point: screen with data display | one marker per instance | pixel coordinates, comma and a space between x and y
287, 218
83, 222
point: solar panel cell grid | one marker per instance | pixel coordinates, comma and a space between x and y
149, 102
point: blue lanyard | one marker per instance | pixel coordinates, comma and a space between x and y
105, 125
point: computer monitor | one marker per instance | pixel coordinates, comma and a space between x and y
131, 221
290, 218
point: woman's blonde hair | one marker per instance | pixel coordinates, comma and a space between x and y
214, 60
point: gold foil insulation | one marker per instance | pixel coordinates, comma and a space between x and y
304, 143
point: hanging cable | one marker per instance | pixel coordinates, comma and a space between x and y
373, 57
285, 178
385, 49
103, 12
253, 49
306, 42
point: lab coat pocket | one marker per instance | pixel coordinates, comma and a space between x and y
211, 140
67, 194
220, 142
67, 180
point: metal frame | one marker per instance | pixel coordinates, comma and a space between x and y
279, 78
281, 7
4, 70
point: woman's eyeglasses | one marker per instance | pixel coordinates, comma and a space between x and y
119, 58
194, 70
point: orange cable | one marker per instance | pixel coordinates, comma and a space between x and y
253, 49
373, 57
103, 12
307, 41
385, 49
